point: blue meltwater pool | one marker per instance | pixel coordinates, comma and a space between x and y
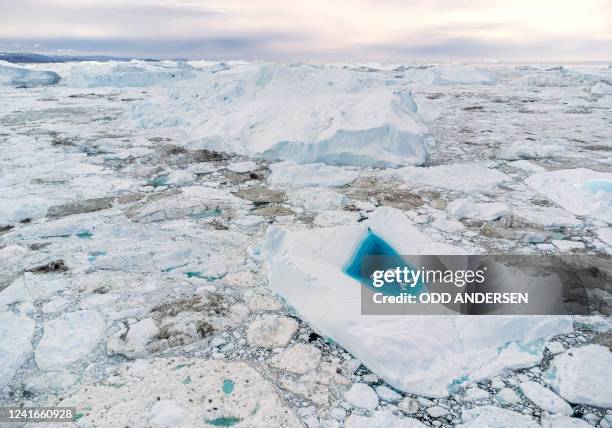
598, 185
361, 265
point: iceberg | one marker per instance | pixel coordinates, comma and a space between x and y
22, 77
301, 113
127, 74
447, 75
425, 355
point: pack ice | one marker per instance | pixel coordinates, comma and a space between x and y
300, 113
425, 355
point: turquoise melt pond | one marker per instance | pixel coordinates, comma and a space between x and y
386, 257
598, 185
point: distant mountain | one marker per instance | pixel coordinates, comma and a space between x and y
25, 58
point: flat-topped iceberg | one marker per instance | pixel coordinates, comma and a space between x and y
301, 113
424, 355
22, 77
127, 74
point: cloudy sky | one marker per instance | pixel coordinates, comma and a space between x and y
311, 30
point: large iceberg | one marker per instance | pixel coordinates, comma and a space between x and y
22, 77
127, 74
300, 113
425, 355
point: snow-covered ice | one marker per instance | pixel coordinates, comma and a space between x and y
545, 399
16, 332
461, 177
494, 417
581, 376
580, 191
69, 338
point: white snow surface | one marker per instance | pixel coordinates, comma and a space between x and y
422, 354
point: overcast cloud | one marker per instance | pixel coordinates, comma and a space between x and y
312, 30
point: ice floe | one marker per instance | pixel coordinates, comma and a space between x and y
494, 417
601, 88
68, 338
465, 208
382, 419
194, 391
580, 191
581, 376
16, 332
545, 399
530, 150
289, 174
362, 396
459, 176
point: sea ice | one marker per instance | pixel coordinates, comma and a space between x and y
494, 417
252, 400
382, 419
475, 394
67, 339
601, 88
581, 375
362, 396
271, 331
317, 199
387, 394
560, 421
526, 165
574, 190
242, 167
299, 358
289, 174
466, 208
462, 177
545, 399
16, 332
530, 150
545, 216
132, 340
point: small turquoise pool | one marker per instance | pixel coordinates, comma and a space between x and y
374, 253
598, 185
